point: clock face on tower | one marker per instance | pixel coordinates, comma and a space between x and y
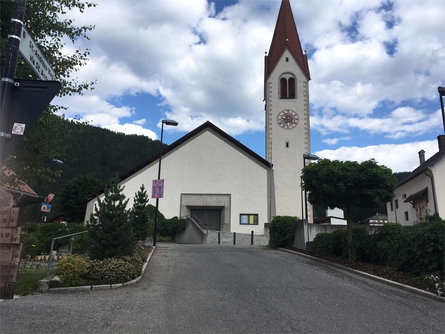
287, 119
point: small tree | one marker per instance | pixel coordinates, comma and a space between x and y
110, 229
139, 214
338, 184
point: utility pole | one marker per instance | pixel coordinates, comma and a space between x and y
7, 80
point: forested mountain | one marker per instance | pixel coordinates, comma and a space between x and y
87, 151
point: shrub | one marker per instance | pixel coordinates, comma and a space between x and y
322, 244
361, 244
114, 270
427, 248
171, 227
46, 232
73, 270
29, 241
282, 231
338, 243
391, 245
334, 244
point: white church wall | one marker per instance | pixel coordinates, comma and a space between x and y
207, 164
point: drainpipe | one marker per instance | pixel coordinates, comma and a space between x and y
429, 173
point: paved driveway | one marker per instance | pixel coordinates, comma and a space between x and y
226, 289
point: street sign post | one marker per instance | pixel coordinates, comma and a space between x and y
34, 57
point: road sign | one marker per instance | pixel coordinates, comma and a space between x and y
157, 189
27, 101
34, 57
18, 129
45, 208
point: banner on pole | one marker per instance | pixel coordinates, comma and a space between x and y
157, 189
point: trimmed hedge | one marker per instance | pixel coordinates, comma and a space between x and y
415, 249
114, 270
37, 238
73, 270
282, 231
80, 270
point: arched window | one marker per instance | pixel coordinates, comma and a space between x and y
287, 86
291, 88
283, 88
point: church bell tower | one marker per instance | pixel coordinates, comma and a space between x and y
286, 90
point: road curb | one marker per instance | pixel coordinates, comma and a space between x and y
370, 276
107, 286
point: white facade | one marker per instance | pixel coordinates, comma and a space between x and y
207, 171
209, 174
421, 193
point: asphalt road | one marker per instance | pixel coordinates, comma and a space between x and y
226, 289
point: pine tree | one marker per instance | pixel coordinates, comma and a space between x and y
109, 228
139, 214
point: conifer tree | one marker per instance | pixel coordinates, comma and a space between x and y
139, 214
109, 228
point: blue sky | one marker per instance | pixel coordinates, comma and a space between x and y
375, 68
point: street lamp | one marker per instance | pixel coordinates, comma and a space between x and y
441, 91
307, 157
172, 123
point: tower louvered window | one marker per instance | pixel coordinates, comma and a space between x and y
287, 87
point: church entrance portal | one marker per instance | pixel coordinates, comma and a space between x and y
211, 218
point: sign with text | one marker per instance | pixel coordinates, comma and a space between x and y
157, 189
34, 57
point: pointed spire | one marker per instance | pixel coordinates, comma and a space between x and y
286, 36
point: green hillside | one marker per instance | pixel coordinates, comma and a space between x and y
85, 151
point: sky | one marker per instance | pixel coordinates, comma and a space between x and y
375, 68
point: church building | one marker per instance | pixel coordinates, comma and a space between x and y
212, 177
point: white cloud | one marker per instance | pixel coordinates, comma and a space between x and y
402, 122
334, 141
129, 129
400, 158
210, 67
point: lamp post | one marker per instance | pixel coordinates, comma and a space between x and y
307, 157
441, 91
172, 123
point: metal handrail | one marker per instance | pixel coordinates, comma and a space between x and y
198, 222
52, 246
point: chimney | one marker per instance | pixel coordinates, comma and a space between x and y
422, 156
441, 140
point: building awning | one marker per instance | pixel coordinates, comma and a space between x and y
413, 197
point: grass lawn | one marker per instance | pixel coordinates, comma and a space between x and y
27, 281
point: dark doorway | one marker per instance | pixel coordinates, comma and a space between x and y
209, 217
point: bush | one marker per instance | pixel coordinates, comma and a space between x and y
334, 244
362, 244
114, 270
29, 241
322, 244
171, 227
415, 249
282, 231
73, 270
46, 232
339, 244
